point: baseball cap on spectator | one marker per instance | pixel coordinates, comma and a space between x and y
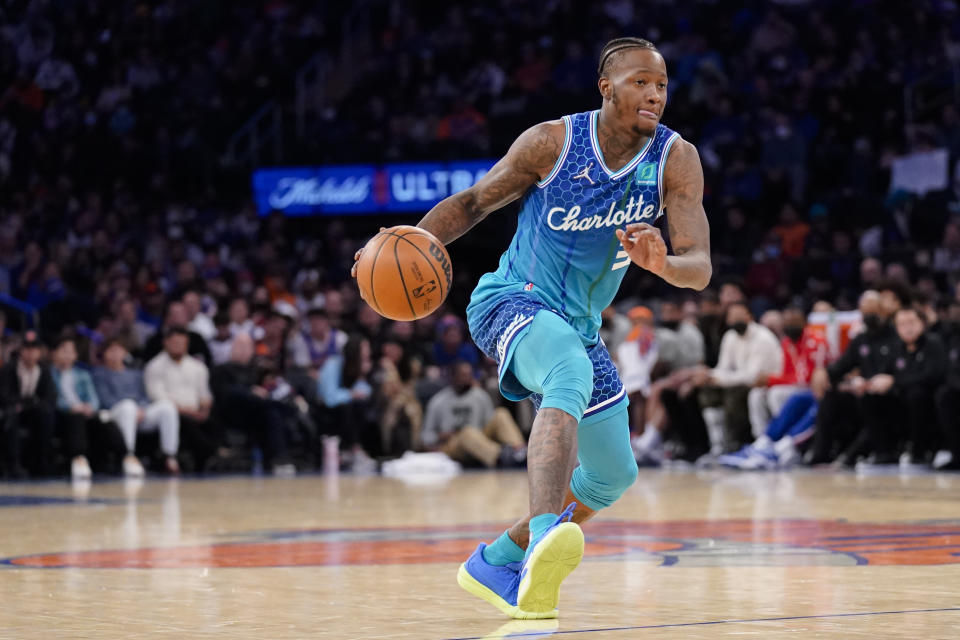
640, 313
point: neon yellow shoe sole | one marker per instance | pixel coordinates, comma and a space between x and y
475, 588
552, 560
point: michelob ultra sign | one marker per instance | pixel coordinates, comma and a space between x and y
359, 189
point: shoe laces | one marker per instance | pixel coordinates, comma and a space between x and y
567, 514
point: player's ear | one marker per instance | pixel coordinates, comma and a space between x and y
604, 85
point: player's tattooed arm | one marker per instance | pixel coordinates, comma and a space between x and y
689, 266
530, 159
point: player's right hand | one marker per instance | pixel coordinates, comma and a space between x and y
356, 258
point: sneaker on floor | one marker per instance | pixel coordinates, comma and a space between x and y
80, 469
363, 463
172, 465
943, 458
132, 467
549, 560
286, 470
496, 585
787, 453
749, 458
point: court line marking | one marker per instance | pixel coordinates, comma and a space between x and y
542, 633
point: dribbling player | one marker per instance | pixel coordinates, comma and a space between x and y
591, 185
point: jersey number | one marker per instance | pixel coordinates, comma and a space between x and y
622, 261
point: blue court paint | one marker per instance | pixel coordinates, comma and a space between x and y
825, 616
39, 501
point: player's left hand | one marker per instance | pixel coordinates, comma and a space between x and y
645, 246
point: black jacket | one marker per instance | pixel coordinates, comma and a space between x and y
230, 378
926, 366
952, 349
871, 352
45, 393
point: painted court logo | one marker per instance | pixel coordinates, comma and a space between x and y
744, 542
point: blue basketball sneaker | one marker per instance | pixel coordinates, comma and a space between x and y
496, 585
550, 558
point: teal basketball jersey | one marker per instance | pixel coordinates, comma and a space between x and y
565, 251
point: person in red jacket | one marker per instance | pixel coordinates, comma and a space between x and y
803, 351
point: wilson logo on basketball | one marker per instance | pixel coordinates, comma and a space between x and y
441, 257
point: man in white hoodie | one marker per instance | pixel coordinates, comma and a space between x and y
747, 350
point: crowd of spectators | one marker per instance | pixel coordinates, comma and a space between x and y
180, 328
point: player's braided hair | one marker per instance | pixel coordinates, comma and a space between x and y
620, 44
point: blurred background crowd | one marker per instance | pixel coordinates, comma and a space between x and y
173, 326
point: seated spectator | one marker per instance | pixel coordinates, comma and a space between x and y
452, 345
246, 405
849, 399
919, 365
271, 348
222, 340
636, 358
778, 445
948, 393
803, 352
344, 387
682, 349
28, 396
178, 377
309, 348
77, 407
680, 343
197, 321
747, 351
614, 327
401, 414
176, 316
124, 395
240, 320
461, 422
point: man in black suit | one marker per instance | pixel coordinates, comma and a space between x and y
28, 399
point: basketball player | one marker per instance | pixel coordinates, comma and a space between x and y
591, 186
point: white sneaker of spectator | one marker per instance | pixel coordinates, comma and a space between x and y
132, 467
648, 447
942, 459
80, 469
362, 463
287, 470
787, 453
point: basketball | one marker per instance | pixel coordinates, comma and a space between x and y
404, 273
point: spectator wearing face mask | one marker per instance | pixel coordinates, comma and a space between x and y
748, 350
846, 391
803, 352
783, 409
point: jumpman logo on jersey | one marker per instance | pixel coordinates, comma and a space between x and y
585, 173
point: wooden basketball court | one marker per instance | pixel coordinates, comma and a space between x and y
683, 555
